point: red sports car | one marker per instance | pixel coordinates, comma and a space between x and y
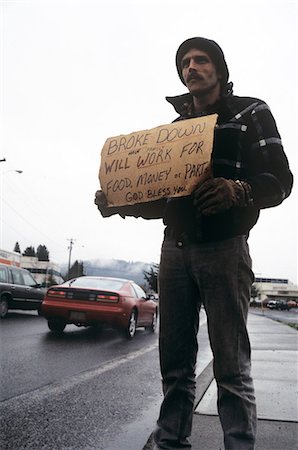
90, 301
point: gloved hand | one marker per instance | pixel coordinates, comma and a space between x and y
102, 204
217, 195
100, 199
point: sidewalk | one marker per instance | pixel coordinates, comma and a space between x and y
275, 373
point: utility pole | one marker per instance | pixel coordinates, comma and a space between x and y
71, 243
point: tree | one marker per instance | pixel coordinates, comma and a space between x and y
29, 251
76, 270
51, 280
254, 291
42, 253
17, 248
151, 277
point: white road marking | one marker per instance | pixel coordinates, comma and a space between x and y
66, 384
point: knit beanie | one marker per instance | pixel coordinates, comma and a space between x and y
208, 46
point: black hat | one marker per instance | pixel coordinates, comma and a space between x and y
208, 46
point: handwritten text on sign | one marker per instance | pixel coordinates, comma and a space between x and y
167, 161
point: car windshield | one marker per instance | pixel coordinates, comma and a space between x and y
97, 283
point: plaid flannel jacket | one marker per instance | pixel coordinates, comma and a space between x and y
248, 147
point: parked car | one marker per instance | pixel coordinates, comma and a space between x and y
18, 290
96, 301
292, 304
277, 304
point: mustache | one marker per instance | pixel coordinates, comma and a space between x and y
194, 76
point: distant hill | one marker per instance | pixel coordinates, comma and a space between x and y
132, 270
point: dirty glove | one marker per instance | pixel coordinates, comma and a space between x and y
102, 204
105, 210
217, 195
100, 199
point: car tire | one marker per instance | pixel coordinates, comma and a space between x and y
3, 308
56, 325
153, 326
132, 325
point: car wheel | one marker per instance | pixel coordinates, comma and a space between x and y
3, 308
152, 327
132, 325
56, 325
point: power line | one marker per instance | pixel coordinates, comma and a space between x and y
34, 227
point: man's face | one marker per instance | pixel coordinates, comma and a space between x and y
199, 72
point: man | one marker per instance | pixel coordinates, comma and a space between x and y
205, 258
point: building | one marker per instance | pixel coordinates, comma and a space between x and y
10, 258
276, 289
45, 273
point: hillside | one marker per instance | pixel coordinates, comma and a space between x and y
132, 270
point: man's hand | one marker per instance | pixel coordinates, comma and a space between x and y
217, 195
100, 199
102, 204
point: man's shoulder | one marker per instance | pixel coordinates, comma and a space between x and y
244, 101
239, 106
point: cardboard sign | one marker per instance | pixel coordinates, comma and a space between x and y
166, 161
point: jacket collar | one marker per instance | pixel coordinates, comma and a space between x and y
183, 104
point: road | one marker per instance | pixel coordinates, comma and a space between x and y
288, 317
33, 357
82, 390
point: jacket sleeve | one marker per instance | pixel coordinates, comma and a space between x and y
271, 180
147, 210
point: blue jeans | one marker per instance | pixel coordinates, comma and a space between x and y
219, 276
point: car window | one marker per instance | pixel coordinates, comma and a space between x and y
3, 275
17, 276
97, 283
28, 279
139, 291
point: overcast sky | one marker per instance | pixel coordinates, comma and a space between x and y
74, 73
